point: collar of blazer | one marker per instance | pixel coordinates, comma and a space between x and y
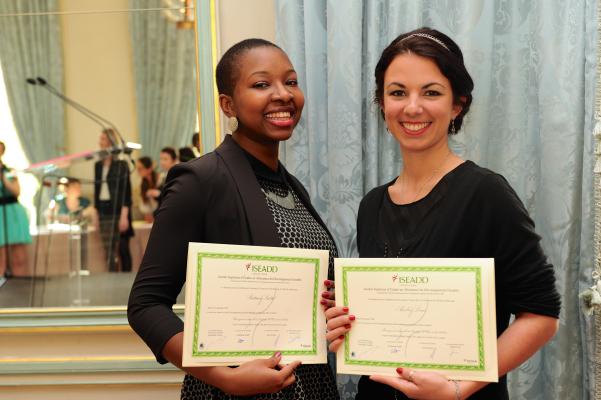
260, 221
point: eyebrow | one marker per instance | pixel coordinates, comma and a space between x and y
426, 86
267, 73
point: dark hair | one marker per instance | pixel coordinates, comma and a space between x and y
145, 161
424, 42
72, 181
145, 185
186, 154
170, 151
195, 139
226, 72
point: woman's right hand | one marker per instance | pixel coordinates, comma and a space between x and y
260, 376
251, 378
339, 323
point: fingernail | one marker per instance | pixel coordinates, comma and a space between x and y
399, 371
351, 317
345, 309
341, 337
327, 282
323, 302
347, 326
326, 295
278, 354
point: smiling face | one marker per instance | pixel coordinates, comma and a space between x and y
417, 103
266, 99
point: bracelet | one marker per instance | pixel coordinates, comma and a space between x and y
457, 389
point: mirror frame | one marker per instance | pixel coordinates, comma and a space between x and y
39, 322
208, 99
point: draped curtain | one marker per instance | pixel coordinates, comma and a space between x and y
165, 77
31, 46
533, 64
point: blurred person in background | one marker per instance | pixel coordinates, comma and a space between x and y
112, 200
148, 203
14, 224
168, 159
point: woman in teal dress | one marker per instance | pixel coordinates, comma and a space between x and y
13, 222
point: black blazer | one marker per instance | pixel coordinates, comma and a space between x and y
118, 183
213, 199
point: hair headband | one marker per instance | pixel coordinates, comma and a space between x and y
425, 35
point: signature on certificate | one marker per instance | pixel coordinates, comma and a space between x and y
411, 310
263, 300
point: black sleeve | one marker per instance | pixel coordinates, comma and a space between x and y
163, 269
96, 183
367, 215
525, 280
127, 201
360, 223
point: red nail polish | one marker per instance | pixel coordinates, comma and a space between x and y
341, 337
399, 371
351, 317
323, 302
326, 295
326, 282
347, 326
345, 309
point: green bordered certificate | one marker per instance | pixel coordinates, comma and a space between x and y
427, 314
247, 302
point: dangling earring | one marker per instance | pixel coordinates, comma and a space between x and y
232, 124
452, 131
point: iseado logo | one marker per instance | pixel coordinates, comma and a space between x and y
250, 267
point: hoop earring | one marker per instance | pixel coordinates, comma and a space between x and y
452, 131
232, 124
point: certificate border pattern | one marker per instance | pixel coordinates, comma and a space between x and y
201, 255
480, 324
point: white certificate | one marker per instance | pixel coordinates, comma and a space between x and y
247, 302
427, 314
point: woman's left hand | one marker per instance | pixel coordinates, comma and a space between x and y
123, 224
422, 385
328, 298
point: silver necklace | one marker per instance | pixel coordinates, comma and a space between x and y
423, 185
284, 202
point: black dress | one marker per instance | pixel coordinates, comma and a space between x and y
471, 212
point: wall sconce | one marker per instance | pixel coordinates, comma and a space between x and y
181, 12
